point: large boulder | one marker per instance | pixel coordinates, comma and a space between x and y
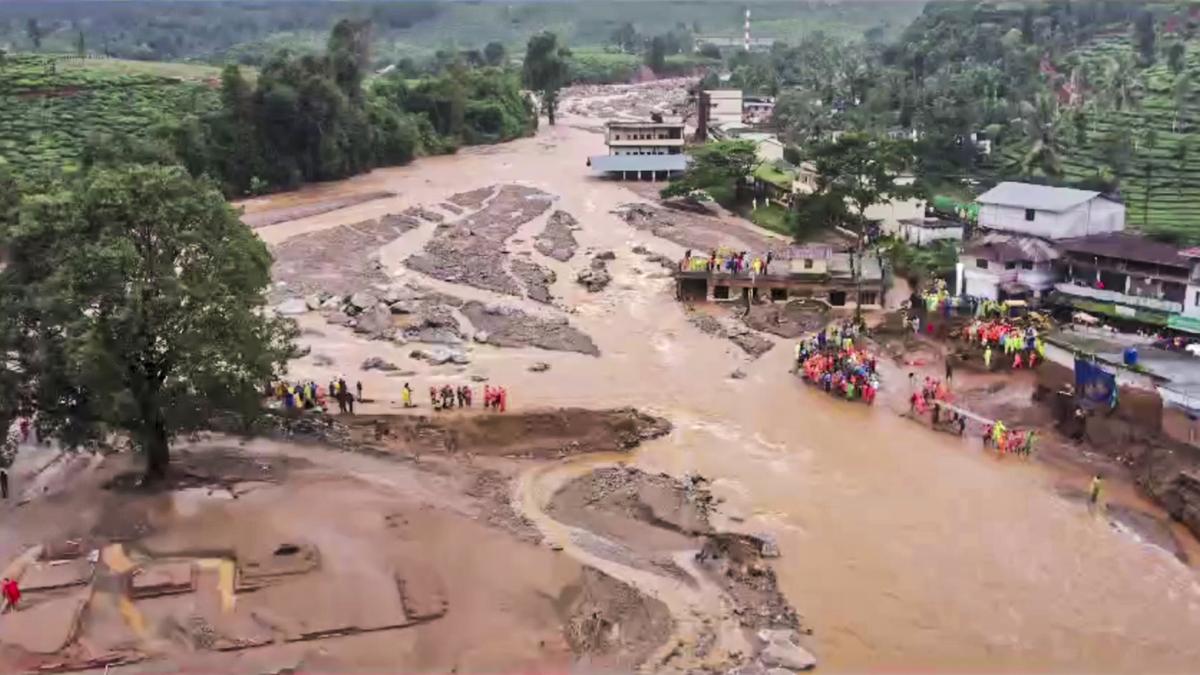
437, 356
363, 300
376, 322
314, 301
783, 652
292, 307
377, 363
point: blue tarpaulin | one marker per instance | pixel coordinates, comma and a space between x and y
1093, 385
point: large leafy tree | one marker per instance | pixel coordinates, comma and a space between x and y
862, 170
132, 301
720, 165
545, 69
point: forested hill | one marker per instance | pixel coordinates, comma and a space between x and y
249, 32
1101, 94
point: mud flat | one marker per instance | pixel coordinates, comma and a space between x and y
746, 339
699, 231
645, 520
339, 260
557, 240
512, 327
546, 434
275, 216
265, 555
470, 251
787, 320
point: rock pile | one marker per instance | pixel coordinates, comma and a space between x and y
596, 277
557, 240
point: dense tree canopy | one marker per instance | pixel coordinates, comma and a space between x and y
132, 301
546, 69
717, 165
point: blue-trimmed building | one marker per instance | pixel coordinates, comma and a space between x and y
641, 151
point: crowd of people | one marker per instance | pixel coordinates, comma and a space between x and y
309, 395
1023, 346
729, 262
831, 361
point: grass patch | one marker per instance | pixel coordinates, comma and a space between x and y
772, 217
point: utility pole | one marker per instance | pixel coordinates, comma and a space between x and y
746, 34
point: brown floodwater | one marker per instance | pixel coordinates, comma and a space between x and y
902, 548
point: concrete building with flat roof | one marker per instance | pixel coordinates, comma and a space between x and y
641, 151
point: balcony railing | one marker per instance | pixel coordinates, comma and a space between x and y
1119, 298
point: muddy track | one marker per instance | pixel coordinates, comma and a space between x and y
705, 636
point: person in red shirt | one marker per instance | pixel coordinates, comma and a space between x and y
12, 594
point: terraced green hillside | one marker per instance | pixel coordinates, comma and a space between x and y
1160, 177
50, 106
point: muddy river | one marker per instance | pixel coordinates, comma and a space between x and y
901, 548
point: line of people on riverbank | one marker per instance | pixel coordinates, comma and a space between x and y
309, 395
935, 399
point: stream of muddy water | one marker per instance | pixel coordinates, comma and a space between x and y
901, 547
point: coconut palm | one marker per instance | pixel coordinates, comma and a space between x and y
1044, 129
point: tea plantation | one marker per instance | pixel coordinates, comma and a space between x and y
1159, 170
50, 106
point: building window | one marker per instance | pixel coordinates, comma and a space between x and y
981, 263
808, 265
1010, 265
867, 298
1027, 265
1030, 214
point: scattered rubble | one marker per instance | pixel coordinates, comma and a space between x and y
537, 280
749, 341
511, 327
471, 251
557, 240
474, 199
433, 324
697, 231
337, 261
422, 213
539, 367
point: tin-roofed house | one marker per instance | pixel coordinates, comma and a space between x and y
1049, 212
999, 266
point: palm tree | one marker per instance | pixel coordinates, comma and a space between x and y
1043, 128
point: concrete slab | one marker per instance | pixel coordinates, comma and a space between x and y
162, 578
48, 575
276, 559
45, 628
421, 591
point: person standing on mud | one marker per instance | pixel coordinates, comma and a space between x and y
987, 358
349, 402
1094, 490
3, 483
406, 396
358, 387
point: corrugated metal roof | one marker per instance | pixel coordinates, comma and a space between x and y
1124, 246
604, 163
1008, 248
1040, 197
